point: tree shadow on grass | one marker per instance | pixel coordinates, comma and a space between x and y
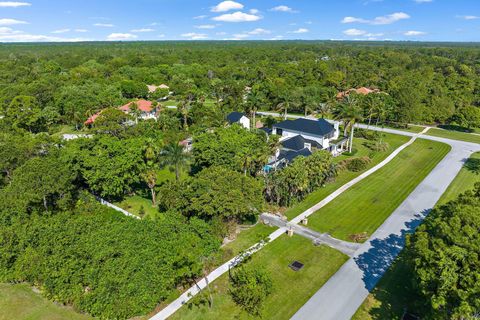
376, 261
453, 127
473, 165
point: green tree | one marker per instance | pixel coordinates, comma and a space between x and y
25, 113
174, 155
445, 252
349, 112
111, 121
41, 181
133, 89
249, 288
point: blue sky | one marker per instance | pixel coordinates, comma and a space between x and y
56, 20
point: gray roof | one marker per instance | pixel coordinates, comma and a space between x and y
235, 117
290, 155
298, 143
318, 127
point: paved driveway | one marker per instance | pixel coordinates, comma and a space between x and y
345, 291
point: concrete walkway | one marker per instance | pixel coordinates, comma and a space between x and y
190, 293
317, 238
345, 291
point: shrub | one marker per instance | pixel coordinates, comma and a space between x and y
354, 164
378, 146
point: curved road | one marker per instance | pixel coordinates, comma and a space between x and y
346, 290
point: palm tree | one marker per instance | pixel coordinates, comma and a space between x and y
254, 99
349, 112
151, 152
173, 155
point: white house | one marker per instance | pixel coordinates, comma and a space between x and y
316, 133
240, 118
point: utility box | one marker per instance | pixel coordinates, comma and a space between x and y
305, 221
290, 232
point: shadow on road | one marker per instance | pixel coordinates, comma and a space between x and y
376, 261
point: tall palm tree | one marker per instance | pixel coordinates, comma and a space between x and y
174, 155
349, 112
254, 99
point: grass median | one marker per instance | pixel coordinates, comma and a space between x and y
365, 206
454, 135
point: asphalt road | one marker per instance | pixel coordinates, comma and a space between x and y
345, 291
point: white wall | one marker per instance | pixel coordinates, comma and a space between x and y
290, 134
245, 122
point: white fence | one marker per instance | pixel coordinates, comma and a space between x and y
111, 205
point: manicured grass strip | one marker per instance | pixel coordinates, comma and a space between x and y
465, 180
365, 206
455, 135
291, 289
249, 237
394, 141
19, 302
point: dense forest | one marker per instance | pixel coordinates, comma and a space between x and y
55, 235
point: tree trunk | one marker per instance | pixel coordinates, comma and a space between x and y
45, 203
351, 138
177, 172
154, 200
254, 125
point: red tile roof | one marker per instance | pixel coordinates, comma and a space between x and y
362, 90
143, 105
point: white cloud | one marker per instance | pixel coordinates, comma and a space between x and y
104, 25
254, 11
81, 30
13, 4
161, 36
282, 8
382, 20
413, 33
11, 22
221, 33
468, 17
10, 35
227, 6
195, 36
142, 30
276, 38
121, 36
200, 17
301, 30
354, 32
205, 26
259, 31
240, 36
423, 1
237, 17
61, 31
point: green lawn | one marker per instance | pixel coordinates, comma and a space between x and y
19, 302
365, 206
246, 239
291, 289
465, 180
455, 135
133, 205
393, 293
394, 141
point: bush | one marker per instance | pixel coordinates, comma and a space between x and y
249, 288
101, 262
354, 164
378, 146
